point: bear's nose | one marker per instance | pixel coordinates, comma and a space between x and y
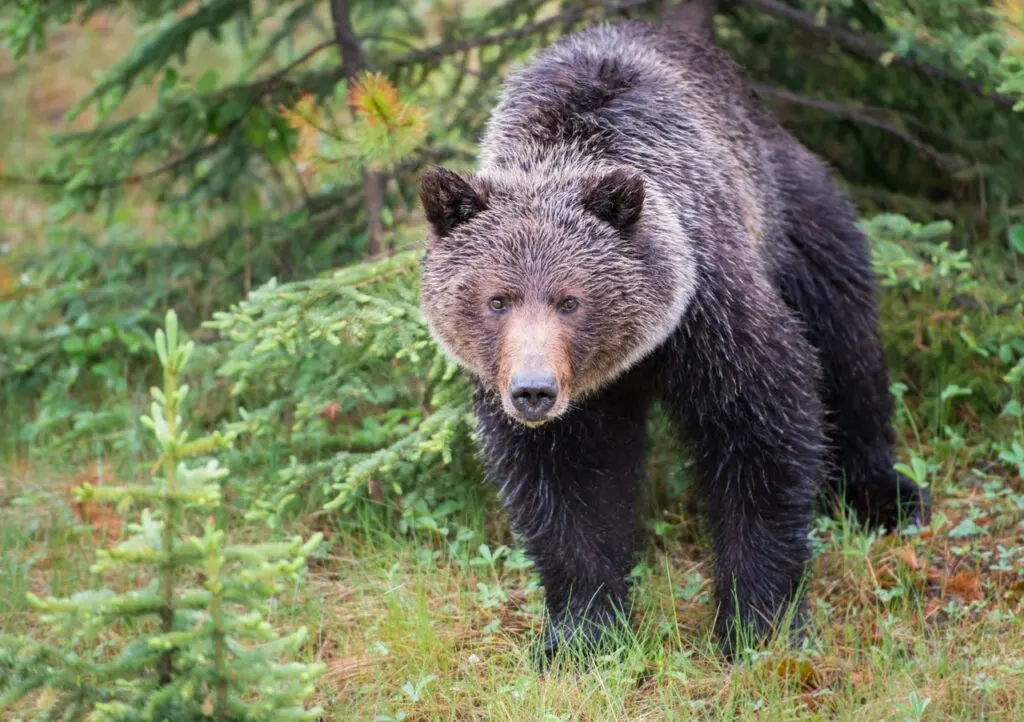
533, 393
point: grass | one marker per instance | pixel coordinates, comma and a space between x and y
919, 626
867, 659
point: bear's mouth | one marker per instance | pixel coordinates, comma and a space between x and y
532, 423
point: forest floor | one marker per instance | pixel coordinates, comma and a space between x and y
927, 625
904, 627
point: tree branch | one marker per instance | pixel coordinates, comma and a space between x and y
279, 74
134, 179
871, 50
353, 60
942, 160
352, 57
256, 89
443, 50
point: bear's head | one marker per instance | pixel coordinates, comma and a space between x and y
548, 286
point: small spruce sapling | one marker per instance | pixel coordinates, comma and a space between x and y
196, 643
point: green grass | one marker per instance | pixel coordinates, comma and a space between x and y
927, 626
415, 633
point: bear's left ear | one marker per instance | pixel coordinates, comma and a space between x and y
448, 200
617, 197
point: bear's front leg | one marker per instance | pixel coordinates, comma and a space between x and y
743, 383
571, 489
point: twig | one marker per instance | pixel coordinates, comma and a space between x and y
871, 50
134, 179
941, 159
263, 85
277, 75
297, 172
443, 50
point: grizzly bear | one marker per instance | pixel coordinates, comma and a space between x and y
640, 229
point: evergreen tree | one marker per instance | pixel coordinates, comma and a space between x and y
306, 159
201, 648
912, 102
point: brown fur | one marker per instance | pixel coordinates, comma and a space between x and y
540, 162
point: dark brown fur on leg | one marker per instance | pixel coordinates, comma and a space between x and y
747, 402
572, 490
824, 272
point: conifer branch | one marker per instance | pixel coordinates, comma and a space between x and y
194, 155
874, 51
444, 50
942, 160
256, 91
354, 61
278, 75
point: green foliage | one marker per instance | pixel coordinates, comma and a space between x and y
380, 131
983, 41
78, 324
924, 137
339, 375
341, 397
963, 330
257, 164
201, 646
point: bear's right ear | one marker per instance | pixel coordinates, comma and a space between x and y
448, 200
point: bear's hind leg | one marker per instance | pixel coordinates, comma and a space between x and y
572, 489
824, 274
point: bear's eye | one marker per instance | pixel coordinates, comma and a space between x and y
498, 304
568, 305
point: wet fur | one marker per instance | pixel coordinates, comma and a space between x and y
741, 297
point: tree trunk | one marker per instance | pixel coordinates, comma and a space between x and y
353, 62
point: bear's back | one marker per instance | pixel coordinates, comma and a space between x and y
629, 93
